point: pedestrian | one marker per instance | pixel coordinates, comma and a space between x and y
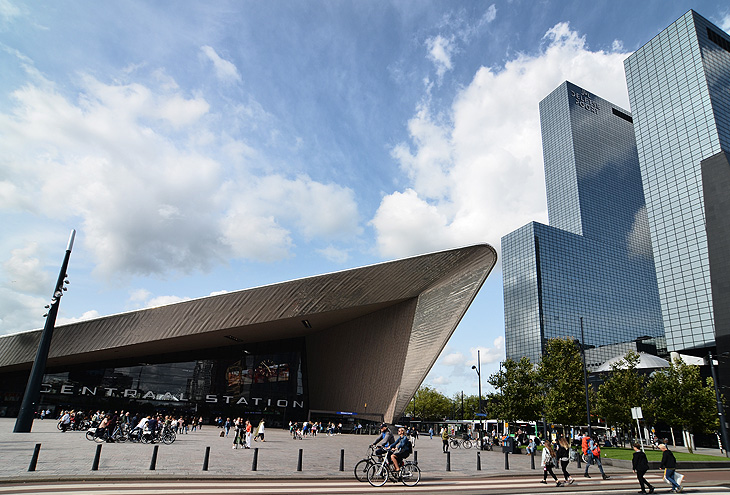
669, 464
593, 451
260, 431
227, 425
547, 463
640, 464
430, 433
445, 439
240, 430
563, 455
248, 434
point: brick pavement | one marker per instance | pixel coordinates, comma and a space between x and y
69, 455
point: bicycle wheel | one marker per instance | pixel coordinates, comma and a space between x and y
168, 438
377, 475
361, 469
90, 434
467, 444
410, 474
454, 443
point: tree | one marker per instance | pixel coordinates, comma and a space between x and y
561, 373
520, 391
678, 397
623, 389
430, 404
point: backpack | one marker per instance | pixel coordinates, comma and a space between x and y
584, 444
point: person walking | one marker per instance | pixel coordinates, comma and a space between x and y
260, 430
240, 432
563, 455
640, 465
669, 464
594, 455
248, 434
547, 463
445, 439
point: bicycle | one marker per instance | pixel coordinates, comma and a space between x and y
380, 473
455, 443
362, 466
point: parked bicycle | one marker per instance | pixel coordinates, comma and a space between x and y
378, 474
456, 443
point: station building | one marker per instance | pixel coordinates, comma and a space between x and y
351, 344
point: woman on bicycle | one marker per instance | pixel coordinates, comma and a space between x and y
401, 449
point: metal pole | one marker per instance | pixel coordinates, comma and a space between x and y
24, 423
720, 408
585, 377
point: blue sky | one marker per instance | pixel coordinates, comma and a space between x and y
215, 146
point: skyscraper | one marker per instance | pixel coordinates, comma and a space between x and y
679, 88
593, 264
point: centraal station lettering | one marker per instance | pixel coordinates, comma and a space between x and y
72, 389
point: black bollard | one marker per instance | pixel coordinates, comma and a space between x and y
95, 465
206, 459
153, 462
255, 462
299, 462
479, 461
342, 459
34, 459
532, 460
448, 461
415, 457
577, 464
506, 461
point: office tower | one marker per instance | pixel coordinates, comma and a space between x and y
593, 264
679, 88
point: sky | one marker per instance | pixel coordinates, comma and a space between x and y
205, 147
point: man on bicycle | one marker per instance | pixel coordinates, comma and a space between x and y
401, 449
388, 440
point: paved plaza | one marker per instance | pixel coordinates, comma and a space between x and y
70, 456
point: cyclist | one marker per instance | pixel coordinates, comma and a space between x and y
388, 440
401, 449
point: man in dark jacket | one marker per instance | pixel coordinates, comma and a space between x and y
640, 465
669, 463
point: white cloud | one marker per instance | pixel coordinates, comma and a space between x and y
140, 168
440, 50
88, 315
225, 71
24, 272
164, 301
18, 310
479, 175
8, 11
441, 380
334, 254
490, 14
725, 22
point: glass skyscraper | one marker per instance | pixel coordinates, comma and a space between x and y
594, 262
679, 88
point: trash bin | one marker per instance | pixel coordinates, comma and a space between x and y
509, 445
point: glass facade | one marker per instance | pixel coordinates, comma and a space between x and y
594, 261
678, 87
264, 379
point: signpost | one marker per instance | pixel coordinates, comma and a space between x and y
637, 415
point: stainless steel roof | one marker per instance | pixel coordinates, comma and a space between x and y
443, 283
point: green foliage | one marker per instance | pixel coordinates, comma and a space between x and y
561, 373
430, 404
623, 389
678, 397
520, 392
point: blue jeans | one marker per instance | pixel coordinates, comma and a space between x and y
597, 460
669, 474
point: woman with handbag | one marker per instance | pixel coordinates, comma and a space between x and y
548, 461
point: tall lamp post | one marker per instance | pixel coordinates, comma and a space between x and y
720, 408
33, 389
585, 376
478, 369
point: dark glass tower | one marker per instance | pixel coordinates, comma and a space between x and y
679, 88
595, 260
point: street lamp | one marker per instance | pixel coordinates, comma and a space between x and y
33, 388
720, 408
478, 369
585, 376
